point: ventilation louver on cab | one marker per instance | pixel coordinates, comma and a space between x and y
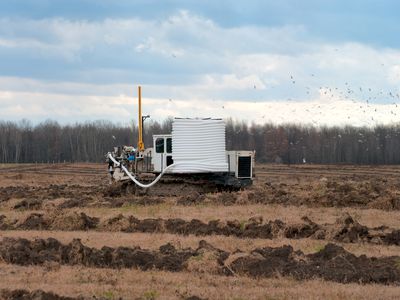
244, 166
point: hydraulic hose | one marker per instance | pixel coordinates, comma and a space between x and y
142, 185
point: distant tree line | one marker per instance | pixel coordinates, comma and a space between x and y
21, 142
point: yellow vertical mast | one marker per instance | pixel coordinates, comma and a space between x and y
140, 121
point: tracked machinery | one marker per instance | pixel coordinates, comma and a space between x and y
192, 158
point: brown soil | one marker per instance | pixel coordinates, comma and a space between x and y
330, 192
325, 192
39, 252
33, 195
22, 294
342, 204
33, 295
331, 263
345, 229
28, 204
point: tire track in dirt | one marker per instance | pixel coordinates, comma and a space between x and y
345, 229
331, 263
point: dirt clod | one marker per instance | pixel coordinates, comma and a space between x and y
29, 204
345, 229
332, 263
40, 252
32, 295
34, 221
73, 221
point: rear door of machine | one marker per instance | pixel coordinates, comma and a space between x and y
158, 156
162, 153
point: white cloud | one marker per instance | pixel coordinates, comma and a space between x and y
326, 109
278, 74
232, 81
394, 75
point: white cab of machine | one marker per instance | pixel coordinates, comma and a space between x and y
198, 146
162, 152
195, 146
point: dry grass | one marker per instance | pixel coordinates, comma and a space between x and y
74, 281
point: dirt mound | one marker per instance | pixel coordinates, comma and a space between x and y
57, 221
144, 200
392, 238
304, 230
191, 199
34, 221
42, 295
33, 295
208, 259
193, 298
114, 190
73, 221
149, 225
3, 223
332, 263
129, 200
40, 251
29, 203
9, 192
345, 229
226, 198
249, 228
349, 192
344, 191
118, 223
71, 203
387, 203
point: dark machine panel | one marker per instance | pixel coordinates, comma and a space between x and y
244, 166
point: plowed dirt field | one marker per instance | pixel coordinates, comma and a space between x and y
301, 231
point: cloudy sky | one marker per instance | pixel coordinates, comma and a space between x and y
311, 61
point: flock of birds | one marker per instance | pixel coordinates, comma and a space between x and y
365, 99
367, 102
